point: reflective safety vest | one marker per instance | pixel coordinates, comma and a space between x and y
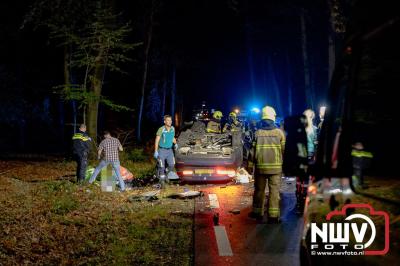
361, 154
232, 127
268, 150
213, 127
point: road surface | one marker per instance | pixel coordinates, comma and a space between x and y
238, 240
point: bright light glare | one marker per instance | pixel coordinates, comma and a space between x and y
188, 172
255, 110
229, 173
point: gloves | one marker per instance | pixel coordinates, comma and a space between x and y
176, 146
155, 155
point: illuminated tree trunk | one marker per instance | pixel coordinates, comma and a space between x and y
67, 82
93, 105
306, 64
173, 92
331, 44
145, 70
289, 85
275, 87
164, 91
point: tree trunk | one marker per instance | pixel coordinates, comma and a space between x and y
67, 73
164, 91
289, 85
331, 56
331, 43
275, 87
306, 64
93, 105
249, 49
173, 92
145, 70
67, 82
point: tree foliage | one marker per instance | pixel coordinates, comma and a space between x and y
94, 36
99, 43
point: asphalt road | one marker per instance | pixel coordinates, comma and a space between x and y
238, 240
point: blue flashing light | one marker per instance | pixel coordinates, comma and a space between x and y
255, 110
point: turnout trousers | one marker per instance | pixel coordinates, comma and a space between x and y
260, 182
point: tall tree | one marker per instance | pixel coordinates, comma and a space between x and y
98, 46
173, 92
274, 85
306, 63
164, 89
93, 42
336, 27
289, 84
147, 45
153, 105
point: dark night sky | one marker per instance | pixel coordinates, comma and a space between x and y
211, 42
218, 41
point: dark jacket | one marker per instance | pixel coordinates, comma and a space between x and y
80, 143
296, 146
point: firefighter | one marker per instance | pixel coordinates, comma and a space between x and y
361, 161
163, 153
80, 151
214, 125
267, 153
233, 125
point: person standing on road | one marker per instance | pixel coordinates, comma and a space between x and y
311, 131
80, 151
267, 154
163, 153
214, 125
110, 146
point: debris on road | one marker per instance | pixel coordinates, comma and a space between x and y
243, 176
235, 211
147, 196
187, 194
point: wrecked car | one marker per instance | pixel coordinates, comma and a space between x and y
208, 157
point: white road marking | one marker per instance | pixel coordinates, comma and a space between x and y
214, 204
224, 246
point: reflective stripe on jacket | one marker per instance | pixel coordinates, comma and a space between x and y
80, 143
213, 127
232, 127
268, 149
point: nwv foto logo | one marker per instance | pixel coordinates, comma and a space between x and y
337, 235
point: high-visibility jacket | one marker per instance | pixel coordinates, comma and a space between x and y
268, 147
213, 127
361, 159
80, 143
232, 127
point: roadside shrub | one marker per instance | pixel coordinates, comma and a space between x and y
135, 155
64, 205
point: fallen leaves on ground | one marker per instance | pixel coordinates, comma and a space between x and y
60, 223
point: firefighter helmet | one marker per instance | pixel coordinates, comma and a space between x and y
217, 115
268, 113
232, 115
